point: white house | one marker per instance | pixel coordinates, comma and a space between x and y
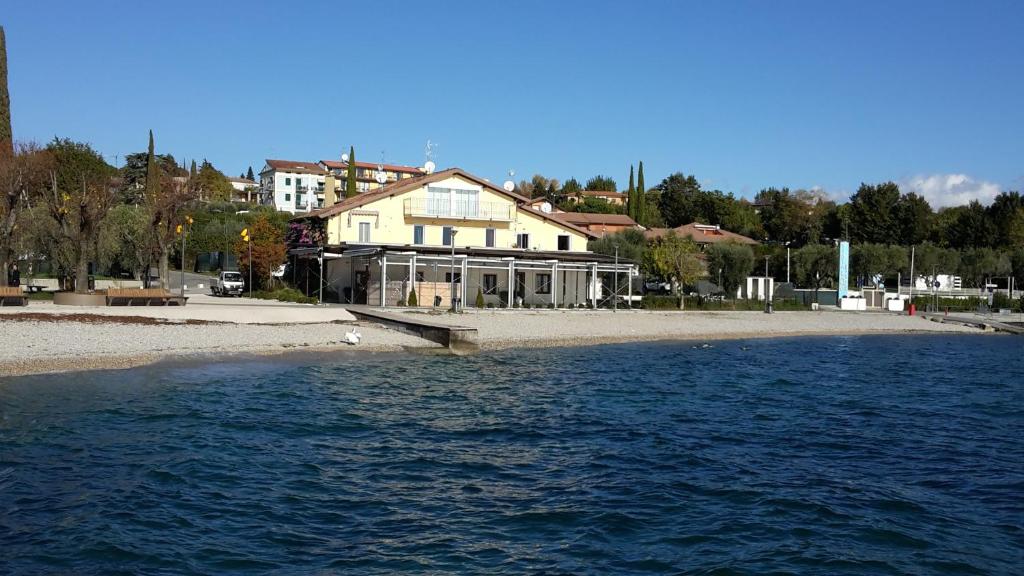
292, 186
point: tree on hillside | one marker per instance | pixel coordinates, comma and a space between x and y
1004, 215
913, 219
601, 183
873, 213
133, 175
82, 191
571, 189
735, 261
631, 199
212, 184
642, 216
679, 200
351, 190
783, 215
964, 227
249, 175
675, 259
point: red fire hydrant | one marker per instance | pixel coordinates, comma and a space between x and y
913, 310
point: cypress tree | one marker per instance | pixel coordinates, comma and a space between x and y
6, 135
631, 196
249, 175
152, 173
350, 188
641, 195
192, 172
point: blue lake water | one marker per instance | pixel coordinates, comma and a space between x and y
839, 455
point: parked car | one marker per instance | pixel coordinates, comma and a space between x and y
228, 284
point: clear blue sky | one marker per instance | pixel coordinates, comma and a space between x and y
744, 95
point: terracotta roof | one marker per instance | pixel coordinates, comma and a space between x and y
702, 234
587, 218
295, 166
241, 180
388, 167
402, 186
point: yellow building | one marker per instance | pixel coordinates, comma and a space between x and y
431, 231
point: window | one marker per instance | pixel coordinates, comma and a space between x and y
543, 283
490, 284
419, 276
287, 181
489, 237
446, 236
417, 234
467, 203
287, 197
522, 241
364, 231
438, 201
563, 242
448, 277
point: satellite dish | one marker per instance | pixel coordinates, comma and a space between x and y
429, 167
546, 208
344, 157
509, 185
381, 176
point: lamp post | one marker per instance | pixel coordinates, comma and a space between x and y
184, 235
615, 297
767, 290
452, 235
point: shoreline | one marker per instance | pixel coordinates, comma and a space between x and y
35, 366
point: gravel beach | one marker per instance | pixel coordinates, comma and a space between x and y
505, 329
41, 343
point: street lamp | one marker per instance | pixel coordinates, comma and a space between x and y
452, 238
183, 228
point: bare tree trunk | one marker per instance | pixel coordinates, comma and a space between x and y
82, 269
165, 274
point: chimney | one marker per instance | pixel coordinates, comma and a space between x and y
330, 193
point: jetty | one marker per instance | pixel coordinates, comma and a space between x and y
986, 323
458, 339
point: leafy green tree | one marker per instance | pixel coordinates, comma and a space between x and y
571, 188
351, 190
24, 177
675, 259
873, 215
913, 218
979, 264
601, 184
816, 265
133, 174
167, 198
872, 262
679, 199
82, 192
590, 205
124, 240
784, 215
965, 227
631, 244
736, 261
1004, 216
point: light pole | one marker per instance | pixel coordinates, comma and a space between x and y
452, 235
184, 234
767, 290
787, 262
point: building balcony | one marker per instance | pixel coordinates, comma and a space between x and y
486, 211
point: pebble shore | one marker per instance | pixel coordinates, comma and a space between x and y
32, 346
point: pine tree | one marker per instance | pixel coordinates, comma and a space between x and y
249, 175
350, 188
631, 195
152, 173
641, 195
6, 135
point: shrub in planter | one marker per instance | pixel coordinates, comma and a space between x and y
551, 305
412, 298
490, 304
526, 305
479, 298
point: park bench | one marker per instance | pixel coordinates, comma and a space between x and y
143, 297
12, 296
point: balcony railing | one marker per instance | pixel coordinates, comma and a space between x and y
445, 209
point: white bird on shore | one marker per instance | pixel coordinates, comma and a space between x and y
353, 337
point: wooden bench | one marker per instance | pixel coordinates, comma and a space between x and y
143, 297
12, 296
